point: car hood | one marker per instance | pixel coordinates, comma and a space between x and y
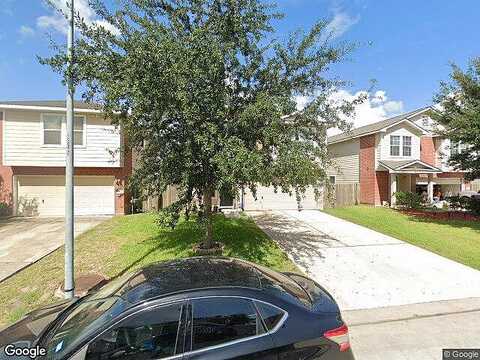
27, 330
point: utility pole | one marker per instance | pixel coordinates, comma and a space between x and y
69, 285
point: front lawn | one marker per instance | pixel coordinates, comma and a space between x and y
457, 240
129, 242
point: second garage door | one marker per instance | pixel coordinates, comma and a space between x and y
267, 199
94, 195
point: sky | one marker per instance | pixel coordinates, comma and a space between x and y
404, 46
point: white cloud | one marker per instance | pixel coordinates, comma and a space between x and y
375, 108
26, 31
340, 24
58, 21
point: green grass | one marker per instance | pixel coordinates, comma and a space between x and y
456, 240
126, 243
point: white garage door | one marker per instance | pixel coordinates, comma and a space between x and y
94, 195
267, 199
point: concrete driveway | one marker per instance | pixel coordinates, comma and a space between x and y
399, 301
365, 269
26, 240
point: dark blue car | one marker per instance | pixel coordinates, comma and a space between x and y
196, 308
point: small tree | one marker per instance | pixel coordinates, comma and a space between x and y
206, 95
460, 116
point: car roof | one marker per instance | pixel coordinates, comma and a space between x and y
188, 274
199, 273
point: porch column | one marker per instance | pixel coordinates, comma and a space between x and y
393, 188
430, 188
413, 183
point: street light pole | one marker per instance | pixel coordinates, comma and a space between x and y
69, 285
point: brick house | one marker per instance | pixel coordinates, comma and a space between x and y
32, 160
402, 153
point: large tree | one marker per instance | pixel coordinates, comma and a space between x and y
459, 116
207, 95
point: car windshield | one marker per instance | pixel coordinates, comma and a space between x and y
82, 321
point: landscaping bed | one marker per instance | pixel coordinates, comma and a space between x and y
125, 243
442, 215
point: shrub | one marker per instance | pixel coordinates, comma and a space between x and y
409, 200
4, 209
168, 218
473, 205
458, 202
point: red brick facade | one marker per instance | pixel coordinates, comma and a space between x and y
382, 187
122, 198
427, 150
374, 185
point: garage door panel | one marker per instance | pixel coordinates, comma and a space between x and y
268, 199
94, 195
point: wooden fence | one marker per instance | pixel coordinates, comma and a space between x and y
342, 195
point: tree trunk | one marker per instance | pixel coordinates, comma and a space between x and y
207, 202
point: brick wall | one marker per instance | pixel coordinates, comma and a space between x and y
382, 188
367, 169
427, 150
374, 185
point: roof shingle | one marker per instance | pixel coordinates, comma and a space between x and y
362, 130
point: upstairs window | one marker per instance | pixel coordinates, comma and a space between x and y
456, 148
394, 145
79, 130
407, 146
52, 129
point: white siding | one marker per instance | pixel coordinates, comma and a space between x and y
442, 147
346, 161
23, 142
400, 130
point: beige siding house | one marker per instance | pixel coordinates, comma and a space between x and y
32, 160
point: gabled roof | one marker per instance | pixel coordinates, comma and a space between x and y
407, 165
375, 127
48, 104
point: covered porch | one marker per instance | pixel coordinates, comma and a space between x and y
403, 176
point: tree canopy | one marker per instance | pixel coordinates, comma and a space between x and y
207, 95
459, 115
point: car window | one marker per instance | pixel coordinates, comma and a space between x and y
222, 320
81, 322
282, 286
151, 334
271, 315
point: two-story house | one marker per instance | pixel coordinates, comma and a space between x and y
32, 160
402, 153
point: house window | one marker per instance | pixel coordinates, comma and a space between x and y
79, 130
1, 115
394, 145
52, 129
407, 146
456, 148
332, 180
